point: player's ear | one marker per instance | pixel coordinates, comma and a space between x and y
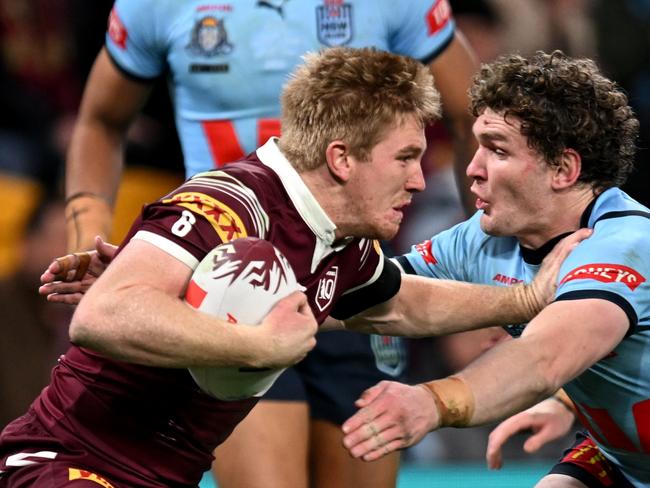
568, 170
338, 160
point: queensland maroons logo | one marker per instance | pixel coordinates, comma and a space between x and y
326, 288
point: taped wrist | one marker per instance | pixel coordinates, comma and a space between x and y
87, 215
454, 400
564, 399
526, 301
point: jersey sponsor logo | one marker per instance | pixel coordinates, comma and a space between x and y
437, 16
209, 38
334, 23
221, 8
276, 5
82, 474
223, 219
116, 30
326, 288
606, 273
506, 280
424, 249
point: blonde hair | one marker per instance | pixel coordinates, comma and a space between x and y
354, 95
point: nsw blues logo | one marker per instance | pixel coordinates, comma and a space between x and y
390, 354
209, 38
334, 23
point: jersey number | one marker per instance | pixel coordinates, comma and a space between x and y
184, 224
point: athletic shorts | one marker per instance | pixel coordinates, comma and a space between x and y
55, 474
584, 462
341, 367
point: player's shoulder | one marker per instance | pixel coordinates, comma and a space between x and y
149, 9
619, 220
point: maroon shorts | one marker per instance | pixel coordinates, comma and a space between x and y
584, 462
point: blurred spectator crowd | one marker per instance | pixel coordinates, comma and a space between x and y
46, 51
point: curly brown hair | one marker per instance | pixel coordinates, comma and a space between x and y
563, 103
354, 95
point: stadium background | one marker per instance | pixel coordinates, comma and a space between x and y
46, 50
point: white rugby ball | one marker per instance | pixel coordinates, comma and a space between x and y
239, 281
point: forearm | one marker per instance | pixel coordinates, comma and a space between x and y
146, 326
426, 307
95, 159
93, 171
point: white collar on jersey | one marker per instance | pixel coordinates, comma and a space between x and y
304, 201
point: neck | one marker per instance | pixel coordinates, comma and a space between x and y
329, 195
563, 218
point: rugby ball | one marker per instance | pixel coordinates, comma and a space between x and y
239, 281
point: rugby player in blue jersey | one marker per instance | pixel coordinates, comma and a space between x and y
556, 140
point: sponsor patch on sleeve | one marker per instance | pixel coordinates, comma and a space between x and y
424, 248
224, 220
82, 474
437, 16
116, 30
606, 273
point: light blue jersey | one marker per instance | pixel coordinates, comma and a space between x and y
613, 396
227, 61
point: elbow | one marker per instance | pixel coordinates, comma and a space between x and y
547, 369
85, 330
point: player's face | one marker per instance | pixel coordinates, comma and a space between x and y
383, 186
511, 180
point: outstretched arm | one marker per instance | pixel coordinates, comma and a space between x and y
429, 307
554, 348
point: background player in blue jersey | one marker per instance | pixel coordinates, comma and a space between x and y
556, 139
226, 63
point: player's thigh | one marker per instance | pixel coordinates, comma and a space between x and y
268, 449
559, 481
331, 466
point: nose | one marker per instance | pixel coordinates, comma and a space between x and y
415, 182
476, 169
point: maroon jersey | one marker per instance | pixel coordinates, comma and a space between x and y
153, 427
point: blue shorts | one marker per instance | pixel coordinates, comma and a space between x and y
341, 366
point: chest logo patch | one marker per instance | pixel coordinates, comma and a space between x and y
209, 38
606, 273
334, 23
326, 288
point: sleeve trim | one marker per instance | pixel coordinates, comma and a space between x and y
381, 290
615, 298
128, 74
168, 246
405, 265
